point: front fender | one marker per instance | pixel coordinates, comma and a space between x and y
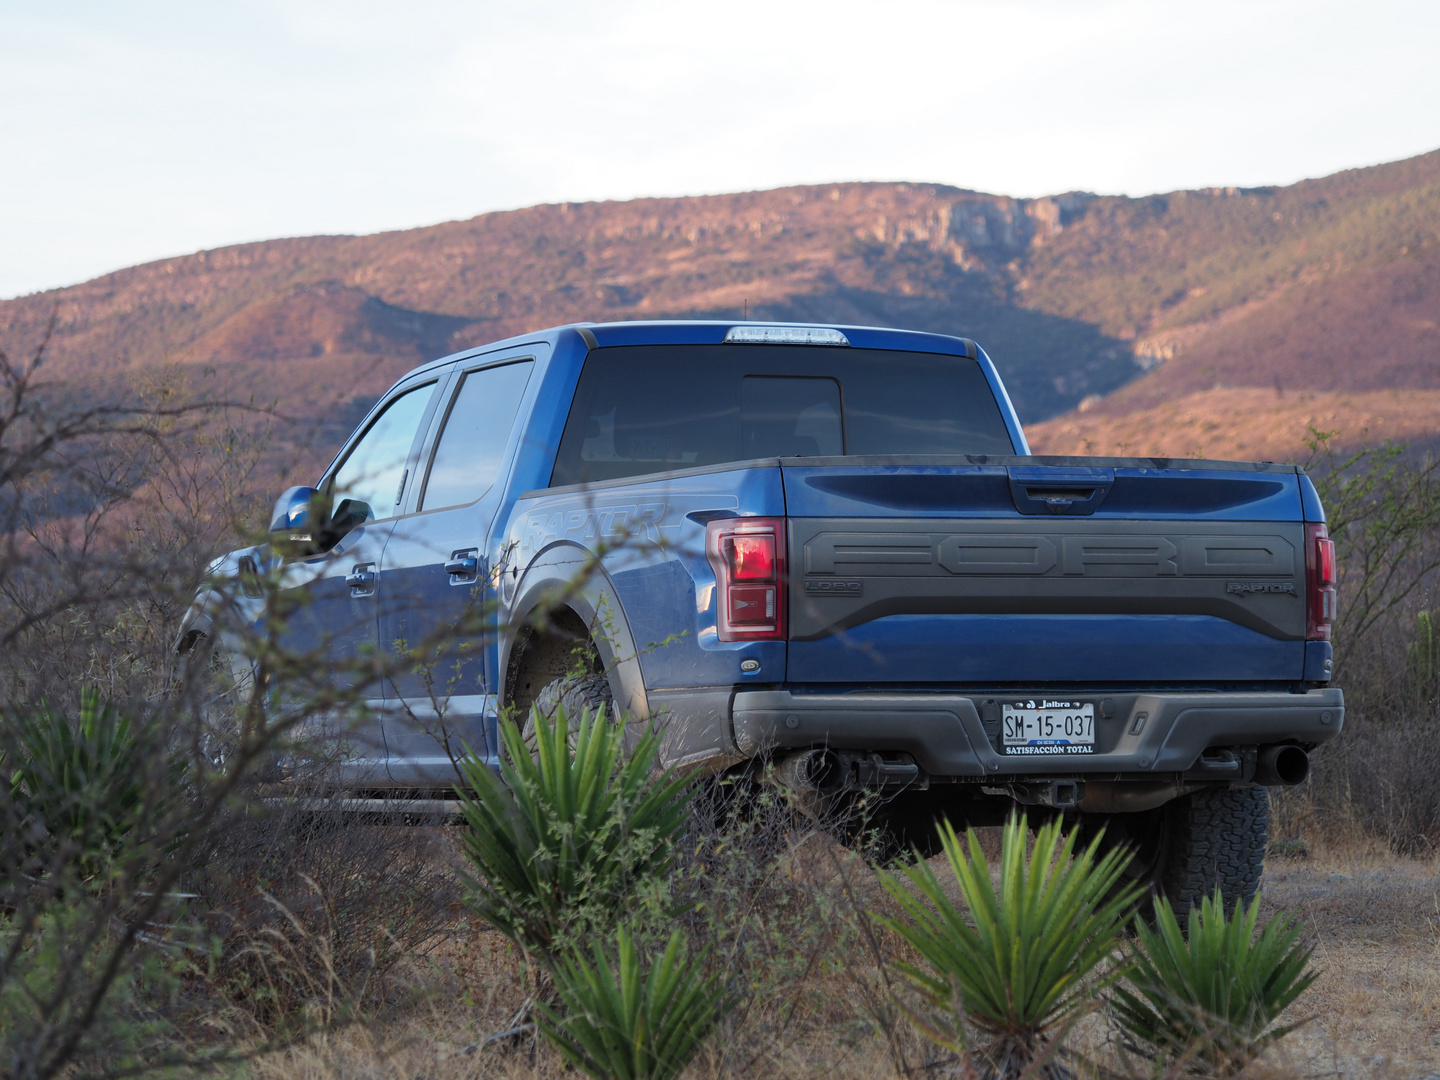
221, 605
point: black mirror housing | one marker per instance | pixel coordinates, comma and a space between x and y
348, 514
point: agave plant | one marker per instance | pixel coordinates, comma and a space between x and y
625, 1023
1210, 999
563, 838
86, 784
1020, 961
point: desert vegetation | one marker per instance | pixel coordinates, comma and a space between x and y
161, 910
1383, 506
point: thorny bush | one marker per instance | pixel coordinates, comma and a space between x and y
133, 869
1383, 775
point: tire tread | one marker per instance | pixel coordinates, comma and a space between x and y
576, 693
1218, 837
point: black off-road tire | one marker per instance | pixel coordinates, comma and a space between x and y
1183, 850
574, 693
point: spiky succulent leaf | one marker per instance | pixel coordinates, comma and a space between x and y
571, 830
627, 1023
1021, 958
88, 783
1211, 997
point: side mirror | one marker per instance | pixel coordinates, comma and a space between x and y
302, 524
297, 523
349, 514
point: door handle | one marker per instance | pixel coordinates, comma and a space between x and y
361, 579
463, 566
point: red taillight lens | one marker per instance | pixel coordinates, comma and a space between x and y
751, 557
1321, 575
748, 557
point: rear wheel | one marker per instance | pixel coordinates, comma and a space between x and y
1187, 848
575, 694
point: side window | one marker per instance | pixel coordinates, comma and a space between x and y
468, 454
374, 471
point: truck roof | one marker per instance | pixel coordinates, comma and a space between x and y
712, 332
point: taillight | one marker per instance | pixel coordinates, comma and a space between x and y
748, 557
1320, 578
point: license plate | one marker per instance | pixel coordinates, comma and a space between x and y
1040, 726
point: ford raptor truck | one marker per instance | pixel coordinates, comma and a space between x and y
827, 549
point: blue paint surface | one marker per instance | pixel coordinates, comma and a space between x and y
1318, 656
1020, 649
658, 568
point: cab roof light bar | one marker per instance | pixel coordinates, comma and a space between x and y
754, 334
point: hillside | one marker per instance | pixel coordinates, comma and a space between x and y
1319, 301
1357, 352
295, 315
1125, 306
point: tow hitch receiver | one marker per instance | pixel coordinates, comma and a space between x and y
1059, 794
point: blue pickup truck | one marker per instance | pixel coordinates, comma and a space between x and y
826, 548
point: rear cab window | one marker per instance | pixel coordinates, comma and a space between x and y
643, 409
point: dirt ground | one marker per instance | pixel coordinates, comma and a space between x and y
1374, 921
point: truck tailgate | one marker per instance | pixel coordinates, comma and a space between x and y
1022, 573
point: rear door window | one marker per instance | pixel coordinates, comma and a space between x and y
652, 408
471, 447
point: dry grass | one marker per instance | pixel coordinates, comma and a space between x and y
470, 987
1374, 920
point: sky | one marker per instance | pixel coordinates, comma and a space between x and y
136, 131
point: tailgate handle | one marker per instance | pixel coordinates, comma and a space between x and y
1059, 490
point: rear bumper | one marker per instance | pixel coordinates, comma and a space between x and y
1141, 735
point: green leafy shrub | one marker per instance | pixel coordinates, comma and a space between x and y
49, 983
1210, 999
570, 835
1021, 965
87, 784
625, 1023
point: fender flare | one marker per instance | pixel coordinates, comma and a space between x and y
550, 579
